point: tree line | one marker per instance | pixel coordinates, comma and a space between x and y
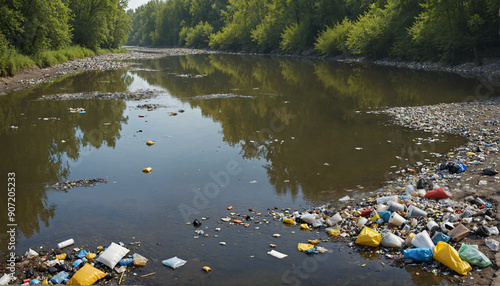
438, 30
29, 29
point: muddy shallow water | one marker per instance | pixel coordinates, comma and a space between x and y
252, 132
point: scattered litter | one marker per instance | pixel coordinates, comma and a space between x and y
277, 254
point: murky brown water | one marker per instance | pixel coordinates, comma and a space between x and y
293, 132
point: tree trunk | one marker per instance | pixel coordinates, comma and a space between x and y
477, 60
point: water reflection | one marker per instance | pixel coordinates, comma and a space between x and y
306, 116
49, 137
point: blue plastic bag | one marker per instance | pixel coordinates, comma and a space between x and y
461, 167
386, 215
60, 277
82, 253
439, 236
418, 254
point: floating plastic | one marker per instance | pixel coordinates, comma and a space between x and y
396, 219
423, 240
439, 236
288, 220
418, 254
174, 262
439, 193
87, 275
277, 254
471, 254
392, 240
334, 232
207, 269
147, 170
126, 262
139, 260
459, 232
150, 143
112, 255
304, 246
344, 199
414, 211
65, 243
369, 237
304, 226
447, 255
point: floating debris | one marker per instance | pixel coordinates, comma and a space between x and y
219, 96
66, 185
136, 95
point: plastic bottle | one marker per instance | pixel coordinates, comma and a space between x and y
126, 262
65, 243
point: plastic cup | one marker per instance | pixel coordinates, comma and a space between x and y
382, 207
414, 211
392, 240
432, 225
396, 207
361, 221
396, 219
423, 240
446, 227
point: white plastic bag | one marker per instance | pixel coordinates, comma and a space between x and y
309, 218
112, 255
5, 279
174, 262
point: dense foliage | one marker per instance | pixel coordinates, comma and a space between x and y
49, 31
447, 30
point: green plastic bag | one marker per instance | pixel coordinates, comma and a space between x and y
471, 254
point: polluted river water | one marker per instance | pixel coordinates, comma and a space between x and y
232, 134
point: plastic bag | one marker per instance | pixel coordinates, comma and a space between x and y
369, 237
439, 193
60, 277
112, 255
386, 215
277, 254
492, 244
418, 254
472, 255
5, 279
307, 217
439, 236
288, 220
392, 240
174, 262
446, 254
139, 260
87, 275
304, 246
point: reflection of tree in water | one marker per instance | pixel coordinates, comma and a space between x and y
36, 152
312, 101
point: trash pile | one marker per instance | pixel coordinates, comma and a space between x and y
66, 185
76, 266
136, 95
414, 224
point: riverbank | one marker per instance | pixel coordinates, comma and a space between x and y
32, 76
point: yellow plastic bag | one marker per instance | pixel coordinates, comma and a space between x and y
304, 226
87, 275
288, 220
446, 254
369, 237
334, 232
316, 241
304, 246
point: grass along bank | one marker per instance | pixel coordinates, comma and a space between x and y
11, 62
